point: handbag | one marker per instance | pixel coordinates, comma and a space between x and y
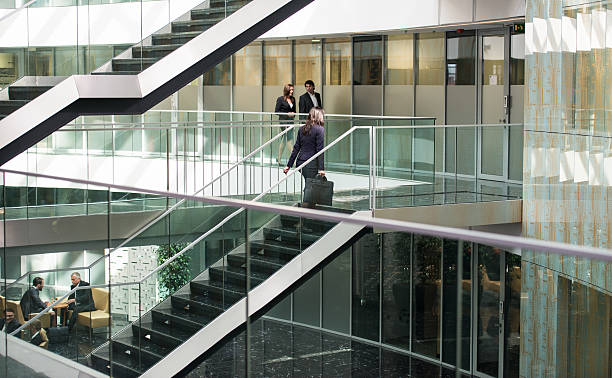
318, 191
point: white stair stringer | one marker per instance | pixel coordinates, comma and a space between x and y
258, 298
134, 94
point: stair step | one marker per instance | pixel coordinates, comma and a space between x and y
259, 263
174, 38
218, 11
235, 276
160, 333
274, 248
290, 235
153, 51
122, 365
191, 320
148, 350
307, 225
132, 65
7, 107
19, 92
117, 73
218, 289
194, 25
200, 304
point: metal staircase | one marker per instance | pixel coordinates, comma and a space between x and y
138, 79
214, 294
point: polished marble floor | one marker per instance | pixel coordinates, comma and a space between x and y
282, 350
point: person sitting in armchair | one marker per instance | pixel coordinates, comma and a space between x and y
80, 300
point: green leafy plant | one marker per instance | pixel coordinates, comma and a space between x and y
176, 274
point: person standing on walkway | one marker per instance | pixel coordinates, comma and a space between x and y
310, 99
285, 107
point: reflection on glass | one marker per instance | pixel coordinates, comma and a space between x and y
277, 63
218, 75
307, 60
366, 287
512, 315
430, 59
488, 309
337, 293
449, 305
338, 62
368, 61
247, 65
399, 59
426, 296
396, 249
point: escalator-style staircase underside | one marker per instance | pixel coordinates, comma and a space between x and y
166, 329
140, 78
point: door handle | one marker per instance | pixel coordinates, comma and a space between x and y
506, 101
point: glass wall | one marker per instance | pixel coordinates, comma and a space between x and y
460, 101
307, 63
399, 75
247, 78
277, 62
367, 77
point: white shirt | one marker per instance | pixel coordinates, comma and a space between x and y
313, 98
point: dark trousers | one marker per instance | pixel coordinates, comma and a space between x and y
75, 312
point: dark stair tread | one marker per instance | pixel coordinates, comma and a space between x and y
241, 272
117, 73
220, 287
291, 233
257, 245
203, 300
176, 35
156, 51
197, 14
199, 319
20, 92
149, 347
174, 333
274, 263
204, 21
134, 60
124, 361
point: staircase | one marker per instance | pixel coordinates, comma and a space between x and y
135, 81
207, 297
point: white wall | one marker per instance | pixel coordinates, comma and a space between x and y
95, 24
121, 23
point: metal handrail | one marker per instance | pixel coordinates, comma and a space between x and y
384, 224
278, 125
152, 222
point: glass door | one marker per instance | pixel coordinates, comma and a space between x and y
496, 325
493, 93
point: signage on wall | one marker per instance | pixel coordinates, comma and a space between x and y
518, 29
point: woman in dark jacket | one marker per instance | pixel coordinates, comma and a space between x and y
310, 141
285, 106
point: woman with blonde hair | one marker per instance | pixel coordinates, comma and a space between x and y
285, 106
310, 140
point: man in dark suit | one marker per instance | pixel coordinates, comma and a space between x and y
310, 99
9, 324
80, 300
30, 301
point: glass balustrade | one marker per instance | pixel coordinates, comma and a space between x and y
403, 288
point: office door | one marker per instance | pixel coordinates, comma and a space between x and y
493, 93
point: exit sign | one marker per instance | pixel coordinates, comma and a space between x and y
518, 28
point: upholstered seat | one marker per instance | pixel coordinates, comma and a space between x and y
45, 320
101, 316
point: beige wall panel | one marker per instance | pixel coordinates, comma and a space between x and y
217, 97
430, 102
337, 99
270, 94
399, 100
461, 104
492, 9
368, 99
516, 101
164, 105
247, 98
188, 97
492, 104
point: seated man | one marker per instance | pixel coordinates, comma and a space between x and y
39, 335
80, 300
9, 324
30, 301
